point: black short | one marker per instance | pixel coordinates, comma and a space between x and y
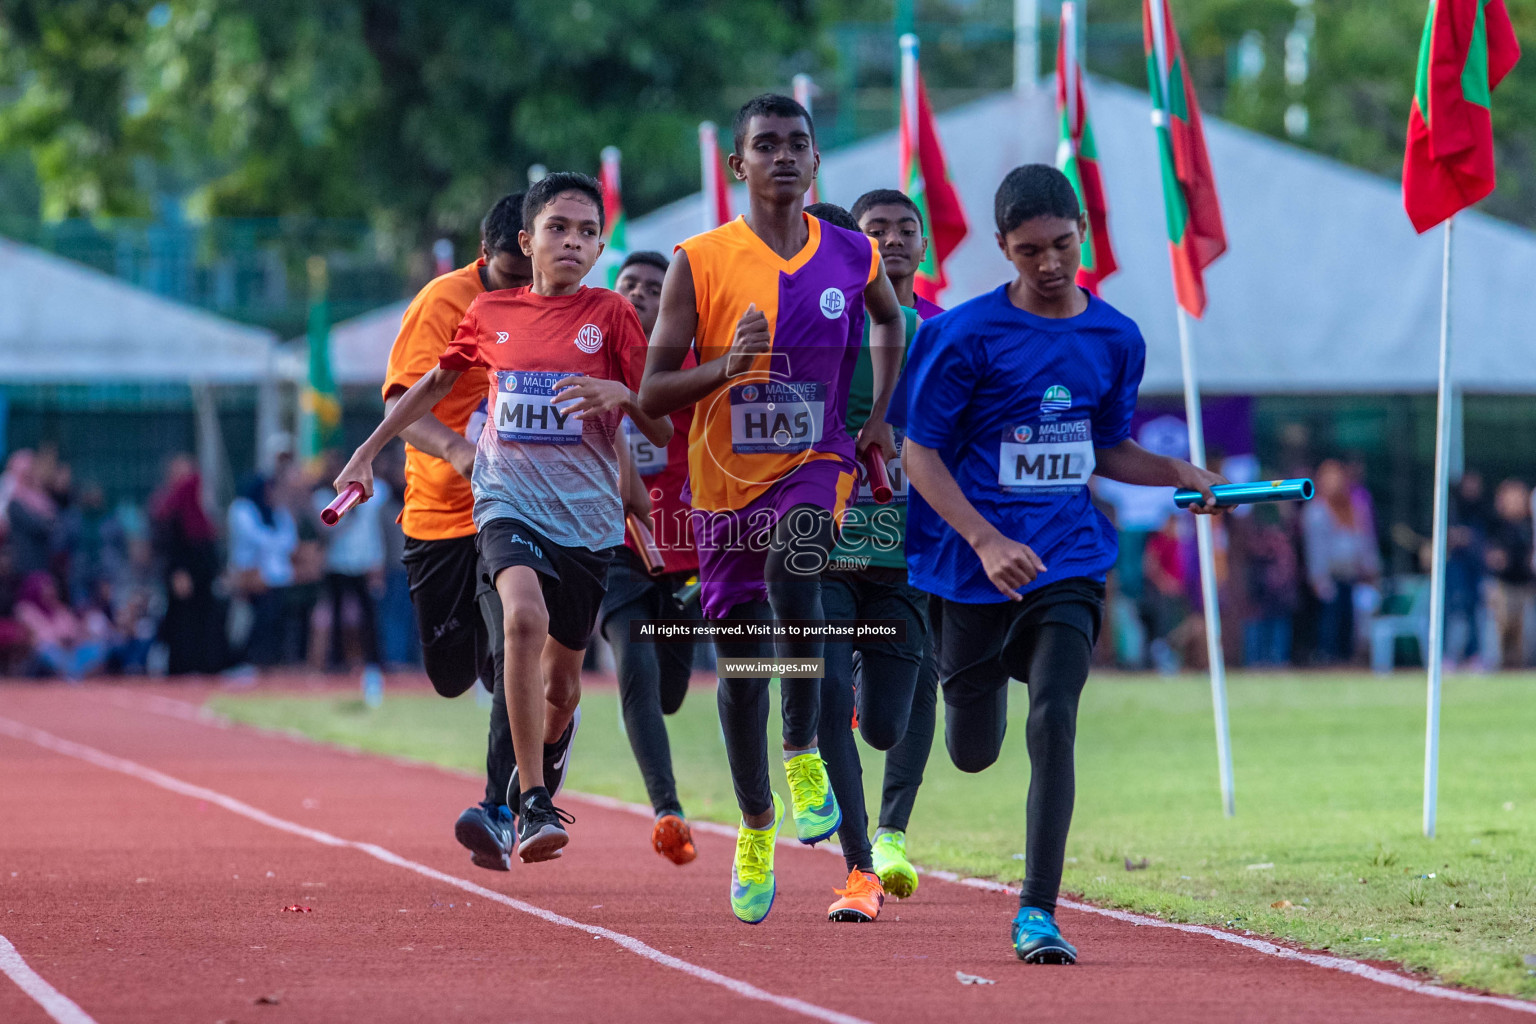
444, 576
572, 579
981, 646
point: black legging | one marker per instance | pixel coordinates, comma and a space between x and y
904, 763
880, 683
499, 759
1054, 667
653, 680
801, 542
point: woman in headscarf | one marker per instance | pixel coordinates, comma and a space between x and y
186, 543
61, 643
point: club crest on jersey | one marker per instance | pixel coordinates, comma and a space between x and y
833, 303
501, 337
589, 339
1056, 399
1022, 434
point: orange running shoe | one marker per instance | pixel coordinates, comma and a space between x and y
673, 839
861, 901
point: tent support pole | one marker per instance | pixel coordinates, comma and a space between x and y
1435, 656
1208, 591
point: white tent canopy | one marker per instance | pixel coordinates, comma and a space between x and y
63, 322
360, 346
1325, 287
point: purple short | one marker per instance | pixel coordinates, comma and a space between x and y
733, 544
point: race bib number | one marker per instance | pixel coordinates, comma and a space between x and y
649, 460
893, 470
1047, 457
777, 417
525, 410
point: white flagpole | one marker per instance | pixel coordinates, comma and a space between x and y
805, 89
1205, 542
1203, 533
1026, 46
1434, 657
709, 165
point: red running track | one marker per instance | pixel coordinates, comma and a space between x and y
145, 861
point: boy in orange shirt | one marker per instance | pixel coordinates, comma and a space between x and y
565, 361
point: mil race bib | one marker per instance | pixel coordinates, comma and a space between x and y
776, 417
525, 411
1046, 458
649, 459
893, 470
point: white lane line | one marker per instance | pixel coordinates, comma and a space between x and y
54, 1003
100, 759
192, 712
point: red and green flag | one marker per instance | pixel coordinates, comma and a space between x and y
716, 191
924, 176
1467, 49
615, 235
1195, 232
1078, 157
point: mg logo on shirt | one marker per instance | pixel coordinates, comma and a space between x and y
589, 339
1056, 399
832, 303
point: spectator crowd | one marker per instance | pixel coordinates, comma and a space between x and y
167, 588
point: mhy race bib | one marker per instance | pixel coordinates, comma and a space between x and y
525, 411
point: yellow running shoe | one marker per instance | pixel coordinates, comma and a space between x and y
752, 884
861, 901
817, 815
896, 872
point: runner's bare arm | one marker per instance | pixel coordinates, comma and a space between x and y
1008, 564
666, 387
434, 437
1130, 463
887, 338
417, 402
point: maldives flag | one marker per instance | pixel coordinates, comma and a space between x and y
924, 176
716, 192
1195, 233
1467, 49
613, 215
1078, 157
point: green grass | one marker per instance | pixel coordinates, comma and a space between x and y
1328, 771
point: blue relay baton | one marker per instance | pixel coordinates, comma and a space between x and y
1250, 494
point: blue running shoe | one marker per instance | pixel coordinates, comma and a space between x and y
488, 834
1037, 940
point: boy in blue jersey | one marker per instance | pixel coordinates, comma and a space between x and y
1014, 399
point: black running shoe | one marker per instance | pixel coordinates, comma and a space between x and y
557, 762
543, 834
489, 835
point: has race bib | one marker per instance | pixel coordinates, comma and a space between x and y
777, 417
1047, 457
525, 410
648, 459
893, 470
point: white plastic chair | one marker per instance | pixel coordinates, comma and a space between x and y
1410, 594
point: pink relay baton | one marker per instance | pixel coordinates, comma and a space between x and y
879, 480
349, 496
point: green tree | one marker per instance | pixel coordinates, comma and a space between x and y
411, 113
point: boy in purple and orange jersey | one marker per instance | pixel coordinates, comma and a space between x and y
563, 360
766, 302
